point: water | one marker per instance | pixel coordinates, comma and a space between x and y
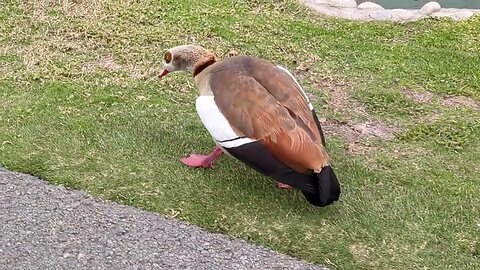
417, 4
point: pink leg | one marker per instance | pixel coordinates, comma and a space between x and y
283, 186
196, 160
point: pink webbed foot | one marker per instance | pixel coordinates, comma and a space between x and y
283, 186
197, 160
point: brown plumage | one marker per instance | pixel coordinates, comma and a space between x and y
260, 107
265, 103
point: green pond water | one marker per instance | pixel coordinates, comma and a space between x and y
417, 4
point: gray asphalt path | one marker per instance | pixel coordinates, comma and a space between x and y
43, 226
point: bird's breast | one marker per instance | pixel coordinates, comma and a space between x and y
217, 125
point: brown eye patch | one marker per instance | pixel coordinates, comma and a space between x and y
167, 57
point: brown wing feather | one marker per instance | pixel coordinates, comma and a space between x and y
283, 87
281, 121
296, 149
248, 107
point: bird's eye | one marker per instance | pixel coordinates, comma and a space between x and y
167, 57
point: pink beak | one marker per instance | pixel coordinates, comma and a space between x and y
164, 72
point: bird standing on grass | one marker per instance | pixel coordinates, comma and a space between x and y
258, 113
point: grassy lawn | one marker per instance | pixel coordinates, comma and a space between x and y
80, 106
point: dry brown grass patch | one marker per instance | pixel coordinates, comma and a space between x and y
106, 62
461, 101
454, 102
359, 128
361, 252
87, 9
420, 97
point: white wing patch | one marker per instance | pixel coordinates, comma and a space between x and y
217, 125
310, 106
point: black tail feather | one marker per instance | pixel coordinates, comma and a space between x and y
327, 188
319, 189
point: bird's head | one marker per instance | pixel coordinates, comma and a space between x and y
188, 58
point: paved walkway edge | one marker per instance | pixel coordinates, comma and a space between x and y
50, 227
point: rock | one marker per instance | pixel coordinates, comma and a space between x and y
369, 11
353, 14
456, 14
463, 14
370, 6
381, 15
403, 15
338, 3
430, 8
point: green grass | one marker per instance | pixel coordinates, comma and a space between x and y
80, 106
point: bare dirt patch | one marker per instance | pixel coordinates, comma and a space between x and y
454, 102
341, 101
461, 101
106, 62
375, 129
80, 9
358, 128
360, 136
420, 97
134, 71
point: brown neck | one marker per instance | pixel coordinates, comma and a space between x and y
203, 63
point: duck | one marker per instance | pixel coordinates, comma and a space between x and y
257, 112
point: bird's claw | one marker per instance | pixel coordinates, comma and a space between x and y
198, 161
283, 186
